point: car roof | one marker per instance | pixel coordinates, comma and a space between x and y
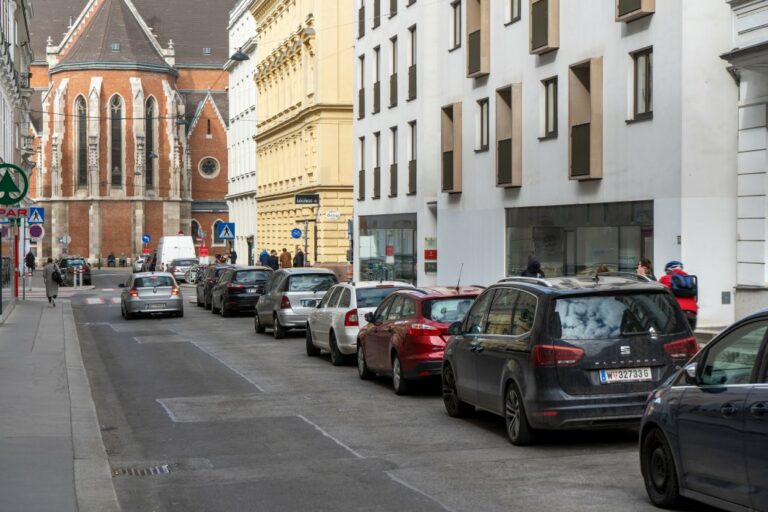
146, 274
253, 268
584, 285
436, 292
379, 284
305, 270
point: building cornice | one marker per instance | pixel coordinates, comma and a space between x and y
303, 190
133, 66
289, 123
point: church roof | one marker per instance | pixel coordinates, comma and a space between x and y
114, 38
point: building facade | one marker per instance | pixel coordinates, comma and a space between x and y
304, 134
131, 134
241, 195
574, 132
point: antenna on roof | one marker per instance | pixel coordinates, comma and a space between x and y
459, 281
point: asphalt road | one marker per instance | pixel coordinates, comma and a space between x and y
235, 421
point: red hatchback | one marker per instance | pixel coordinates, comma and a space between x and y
406, 335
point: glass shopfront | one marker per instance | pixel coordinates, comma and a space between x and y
387, 247
577, 239
6, 267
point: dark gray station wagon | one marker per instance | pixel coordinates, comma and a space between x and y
567, 352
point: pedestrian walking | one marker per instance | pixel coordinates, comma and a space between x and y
264, 258
29, 261
685, 288
273, 260
645, 268
285, 259
603, 269
298, 258
153, 262
533, 269
233, 256
52, 279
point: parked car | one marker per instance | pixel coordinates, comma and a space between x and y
704, 434
336, 322
406, 335
205, 284
289, 297
567, 352
151, 293
180, 266
71, 264
193, 273
138, 263
239, 289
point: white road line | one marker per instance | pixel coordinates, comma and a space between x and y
329, 436
94, 300
167, 410
115, 300
228, 366
418, 491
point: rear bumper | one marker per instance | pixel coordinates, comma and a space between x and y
242, 303
292, 320
604, 411
424, 370
137, 306
347, 340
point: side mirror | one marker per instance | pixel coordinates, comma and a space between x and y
692, 374
454, 329
121, 285
369, 317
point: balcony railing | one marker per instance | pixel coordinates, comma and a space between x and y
376, 183
376, 13
361, 103
393, 180
412, 82
580, 150
393, 90
361, 185
628, 6
361, 21
447, 171
411, 177
473, 53
540, 24
376, 97
504, 162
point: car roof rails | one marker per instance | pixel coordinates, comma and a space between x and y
529, 280
417, 290
626, 275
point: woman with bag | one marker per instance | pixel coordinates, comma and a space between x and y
52, 279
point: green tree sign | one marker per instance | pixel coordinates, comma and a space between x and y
10, 193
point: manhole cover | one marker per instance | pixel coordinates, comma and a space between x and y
162, 469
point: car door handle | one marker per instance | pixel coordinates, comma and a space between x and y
476, 348
759, 409
728, 409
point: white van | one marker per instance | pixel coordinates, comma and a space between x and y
174, 247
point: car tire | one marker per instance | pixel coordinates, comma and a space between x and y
312, 350
214, 309
454, 406
207, 305
659, 472
519, 430
180, 314
362, 368
337, 358
399, 383
225, 313
278, 331
257, 323
200, 304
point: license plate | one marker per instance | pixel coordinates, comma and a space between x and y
625, 375
250, 290
309, 303
155, 306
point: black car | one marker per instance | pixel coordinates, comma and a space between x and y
566, 352
205, 284
69, 265
239, 289
704, 434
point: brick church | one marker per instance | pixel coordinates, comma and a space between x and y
130, 118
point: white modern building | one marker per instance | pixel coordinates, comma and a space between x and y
583, 133
241, 195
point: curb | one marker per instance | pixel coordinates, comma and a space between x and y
94, 488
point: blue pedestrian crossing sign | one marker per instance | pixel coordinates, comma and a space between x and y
226, 231
296, 233
36, 216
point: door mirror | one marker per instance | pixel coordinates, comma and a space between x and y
692, 374
121, 285
369, 318
454, 329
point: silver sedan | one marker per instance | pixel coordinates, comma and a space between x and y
150, 293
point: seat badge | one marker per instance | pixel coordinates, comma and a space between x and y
625, 350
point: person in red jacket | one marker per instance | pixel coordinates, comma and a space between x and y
688, 303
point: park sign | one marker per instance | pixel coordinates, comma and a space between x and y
14, 185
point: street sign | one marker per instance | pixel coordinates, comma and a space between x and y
10, 193
146, 250
36, 231
307, 199
333, 215
36, 216
203, 250
226, 231
146, 239
296, 233
64, 240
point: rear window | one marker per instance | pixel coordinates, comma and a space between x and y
251, 276
153, 281
372, 297
219, 271
614, 316
72, 262
447, 310
311, 282
184, 263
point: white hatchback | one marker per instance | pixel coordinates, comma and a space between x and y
334, 325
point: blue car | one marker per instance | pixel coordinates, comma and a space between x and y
704, 434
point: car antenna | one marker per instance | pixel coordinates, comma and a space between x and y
459, 281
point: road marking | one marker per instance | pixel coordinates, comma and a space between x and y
167, 410
418, 491
329, 436
94, 300
115, 300
195, 343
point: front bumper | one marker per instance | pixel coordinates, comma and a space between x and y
147, 306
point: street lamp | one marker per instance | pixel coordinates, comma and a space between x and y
240, 56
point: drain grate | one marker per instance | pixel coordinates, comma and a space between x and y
163, 469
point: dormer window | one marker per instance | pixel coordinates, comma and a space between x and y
206, 51
115, 47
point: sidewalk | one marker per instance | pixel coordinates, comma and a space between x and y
51, 454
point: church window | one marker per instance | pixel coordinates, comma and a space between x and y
209, 167
82, 142
151, 154
116, 138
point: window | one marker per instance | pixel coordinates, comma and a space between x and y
550, 107
392, 8
476, 319
209, 167
115, 47
376, 165
206, 51
455, 24
412, 155
643, 84
524, 314
151, 155
451, 147
393, 161
733, 359
393, 72
509, 136
361, 90
412, 64
376, 80
409, 308
116, 139
361, 19
216, 229
478, 38
361, 171
395, 311
335, 293
481, 144
513, 11
196, 232
82, 142
585, 119
630, 10
500, 313
376, 13
544, 26
346, 298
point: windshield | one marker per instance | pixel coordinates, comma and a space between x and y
311, 282
372, 297
251, 276
153, 281
447, 310
183, 263
613, 316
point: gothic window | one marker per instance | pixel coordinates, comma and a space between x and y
81, 120
149, 151
116, 137
209, 167
196, 231
216, 229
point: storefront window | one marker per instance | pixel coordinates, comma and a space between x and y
577, 239
387, 248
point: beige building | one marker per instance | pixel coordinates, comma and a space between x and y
304, 134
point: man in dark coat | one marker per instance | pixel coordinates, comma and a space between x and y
534, 268
273, 260
298, 258
29, 260
233, 256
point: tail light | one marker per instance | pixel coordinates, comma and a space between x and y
235, 287
423, 330
350, 319
551, 355
682, 349
285, 303
175, 291
133, 292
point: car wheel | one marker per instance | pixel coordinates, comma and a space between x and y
225, 313
200, 303
658, 469
455, 407
257, 323
362, 368
208, 305
214, 309
519, 431
180, 314
337, 358
312, 350
278, 331
399, 384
